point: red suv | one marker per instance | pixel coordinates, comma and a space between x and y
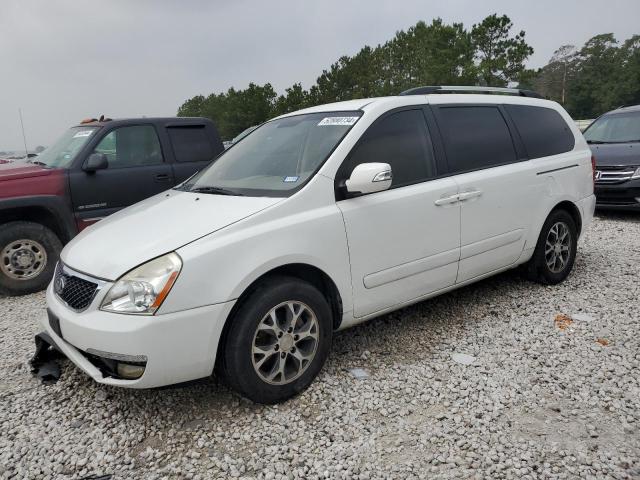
93, 170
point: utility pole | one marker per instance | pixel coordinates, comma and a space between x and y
24, 137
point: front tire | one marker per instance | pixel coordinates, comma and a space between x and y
28, 255
555, 251
278, 341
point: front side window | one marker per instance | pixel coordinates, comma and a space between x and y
133, 146
475, 137
400, 139
615, 128
277, 158
62, 153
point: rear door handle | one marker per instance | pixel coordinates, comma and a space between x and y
162, 177
446, 200
469, 195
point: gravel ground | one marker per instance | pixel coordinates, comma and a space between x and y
544, 398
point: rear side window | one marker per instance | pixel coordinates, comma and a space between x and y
475, 137
401, 140
191, 143
543, 130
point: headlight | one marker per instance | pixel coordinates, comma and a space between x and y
143, 289
636, 174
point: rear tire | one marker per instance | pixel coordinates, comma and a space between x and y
278, 341
28, 255
555, 251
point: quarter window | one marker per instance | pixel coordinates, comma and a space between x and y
401, 140
475, 137
131, 147
191, 143
543, 131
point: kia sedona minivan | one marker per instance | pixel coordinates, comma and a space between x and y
316, 221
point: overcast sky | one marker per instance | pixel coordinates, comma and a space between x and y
62, 61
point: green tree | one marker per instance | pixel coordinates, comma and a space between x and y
554, 78
500, 57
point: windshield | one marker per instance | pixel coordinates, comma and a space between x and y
62, 153
277, 158
615, 128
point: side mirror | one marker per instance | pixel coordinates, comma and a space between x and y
369, 178
96, 161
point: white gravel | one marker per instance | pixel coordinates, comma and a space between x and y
537, 402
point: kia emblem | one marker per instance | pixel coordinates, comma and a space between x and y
59, 285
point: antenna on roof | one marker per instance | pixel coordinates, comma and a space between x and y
24, 137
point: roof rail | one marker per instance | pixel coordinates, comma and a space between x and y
468, 89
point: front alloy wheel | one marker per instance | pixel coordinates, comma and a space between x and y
285, 342
277, 341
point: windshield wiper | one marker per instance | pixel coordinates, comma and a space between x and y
215, 191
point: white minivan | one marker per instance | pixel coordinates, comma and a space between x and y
316, 221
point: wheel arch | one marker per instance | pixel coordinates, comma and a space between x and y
573, 210
304, 271
43, 210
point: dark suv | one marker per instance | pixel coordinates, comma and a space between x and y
93, 170
615, 142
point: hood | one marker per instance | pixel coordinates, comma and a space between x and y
153, 227
18, 170
616, 154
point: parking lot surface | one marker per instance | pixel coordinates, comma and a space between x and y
549, 387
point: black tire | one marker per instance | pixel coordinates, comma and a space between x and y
14, 231
537, 269
237, 366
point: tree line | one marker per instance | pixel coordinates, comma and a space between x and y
602, 75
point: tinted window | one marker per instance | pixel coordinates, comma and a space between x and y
401, 140
543, 131
475, 137
131, 146
191, 144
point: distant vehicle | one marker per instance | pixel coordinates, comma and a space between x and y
95, 169
319, 220
614, 139
240, 136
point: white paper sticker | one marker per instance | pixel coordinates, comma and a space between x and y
338, 121
83, 133
290, 179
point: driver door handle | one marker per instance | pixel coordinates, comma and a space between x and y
447, 200
469, 195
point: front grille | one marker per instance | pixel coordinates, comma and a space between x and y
76, 292
608, 175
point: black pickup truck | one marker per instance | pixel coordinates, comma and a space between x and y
95, 169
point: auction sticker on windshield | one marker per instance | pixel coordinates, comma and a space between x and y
83, 133
338, 121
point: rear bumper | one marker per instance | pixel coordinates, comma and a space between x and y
178, 347
620, 196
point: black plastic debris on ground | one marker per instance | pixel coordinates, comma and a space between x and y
44, 361
97, 477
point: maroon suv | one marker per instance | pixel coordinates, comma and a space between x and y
93, 170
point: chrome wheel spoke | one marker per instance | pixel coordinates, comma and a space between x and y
558, 247
285, 342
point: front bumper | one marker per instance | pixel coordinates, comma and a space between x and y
178, 346
619, 196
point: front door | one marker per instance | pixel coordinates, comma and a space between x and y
404, 242
136, 171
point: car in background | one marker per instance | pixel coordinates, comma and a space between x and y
614, 139
95, 169
240, 136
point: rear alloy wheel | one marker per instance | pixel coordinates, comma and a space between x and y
28, 253
555, 251
278, 340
